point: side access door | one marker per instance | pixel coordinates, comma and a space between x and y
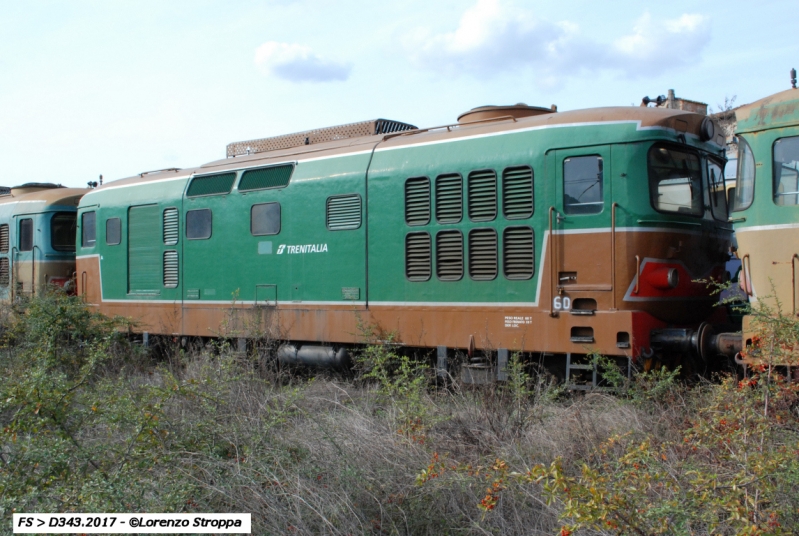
26, 251
581, 220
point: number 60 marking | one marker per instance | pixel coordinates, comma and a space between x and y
561, 304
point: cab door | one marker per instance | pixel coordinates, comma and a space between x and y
581, 226
26, 251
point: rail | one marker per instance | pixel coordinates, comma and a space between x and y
637, 273
33, 268
745, 266
13, 280
552, 278
793, 279
613, 253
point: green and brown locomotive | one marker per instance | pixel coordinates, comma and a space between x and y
37, 238
516, 229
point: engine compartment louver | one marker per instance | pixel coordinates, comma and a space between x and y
482, 195
268, 177
171, 269
4, 272
171, 226
219, 183
417, 201
517, 192
4, 238
418, 256
344, 212
318, 135
483, 254
449, 198
518, 246
449, 255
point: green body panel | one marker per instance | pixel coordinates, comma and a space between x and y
762, 123
229, 263
775, 111
763, 210
307, 262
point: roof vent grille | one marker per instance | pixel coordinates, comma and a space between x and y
318, 135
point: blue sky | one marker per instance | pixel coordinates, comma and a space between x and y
117, 88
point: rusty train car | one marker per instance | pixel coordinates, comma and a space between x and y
765, 206
516, 229
37, 238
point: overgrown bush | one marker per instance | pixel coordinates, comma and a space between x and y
91, 423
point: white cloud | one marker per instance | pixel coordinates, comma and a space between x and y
493, 37
298, 63
657, 45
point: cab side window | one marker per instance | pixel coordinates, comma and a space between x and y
199, 224
88, 225
265, 219
583, 185
786, 171
26, 234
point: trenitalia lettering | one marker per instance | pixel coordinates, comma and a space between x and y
305, 248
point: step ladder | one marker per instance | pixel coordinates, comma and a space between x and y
572, 367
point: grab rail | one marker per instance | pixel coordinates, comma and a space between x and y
552, 279
793, 279
613, 252
33, 268
13, 280
747, 288
637, 273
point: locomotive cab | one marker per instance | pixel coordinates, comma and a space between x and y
37, 238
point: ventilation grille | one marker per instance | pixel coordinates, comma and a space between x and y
417, 201
449, 198
318, 135
211, 184
170, 269
482, 195
517, 192
171, 231
449, 255
518, 252
483, 254
4, 238
4, 272
418, 256
344, 212
270, 177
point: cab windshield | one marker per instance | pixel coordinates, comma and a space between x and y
675, 180
745, 182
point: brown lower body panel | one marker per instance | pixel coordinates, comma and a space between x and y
620, 333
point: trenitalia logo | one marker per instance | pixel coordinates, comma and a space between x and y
305, 248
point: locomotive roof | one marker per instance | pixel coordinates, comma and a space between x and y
774, 111
49, 197
680, 120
